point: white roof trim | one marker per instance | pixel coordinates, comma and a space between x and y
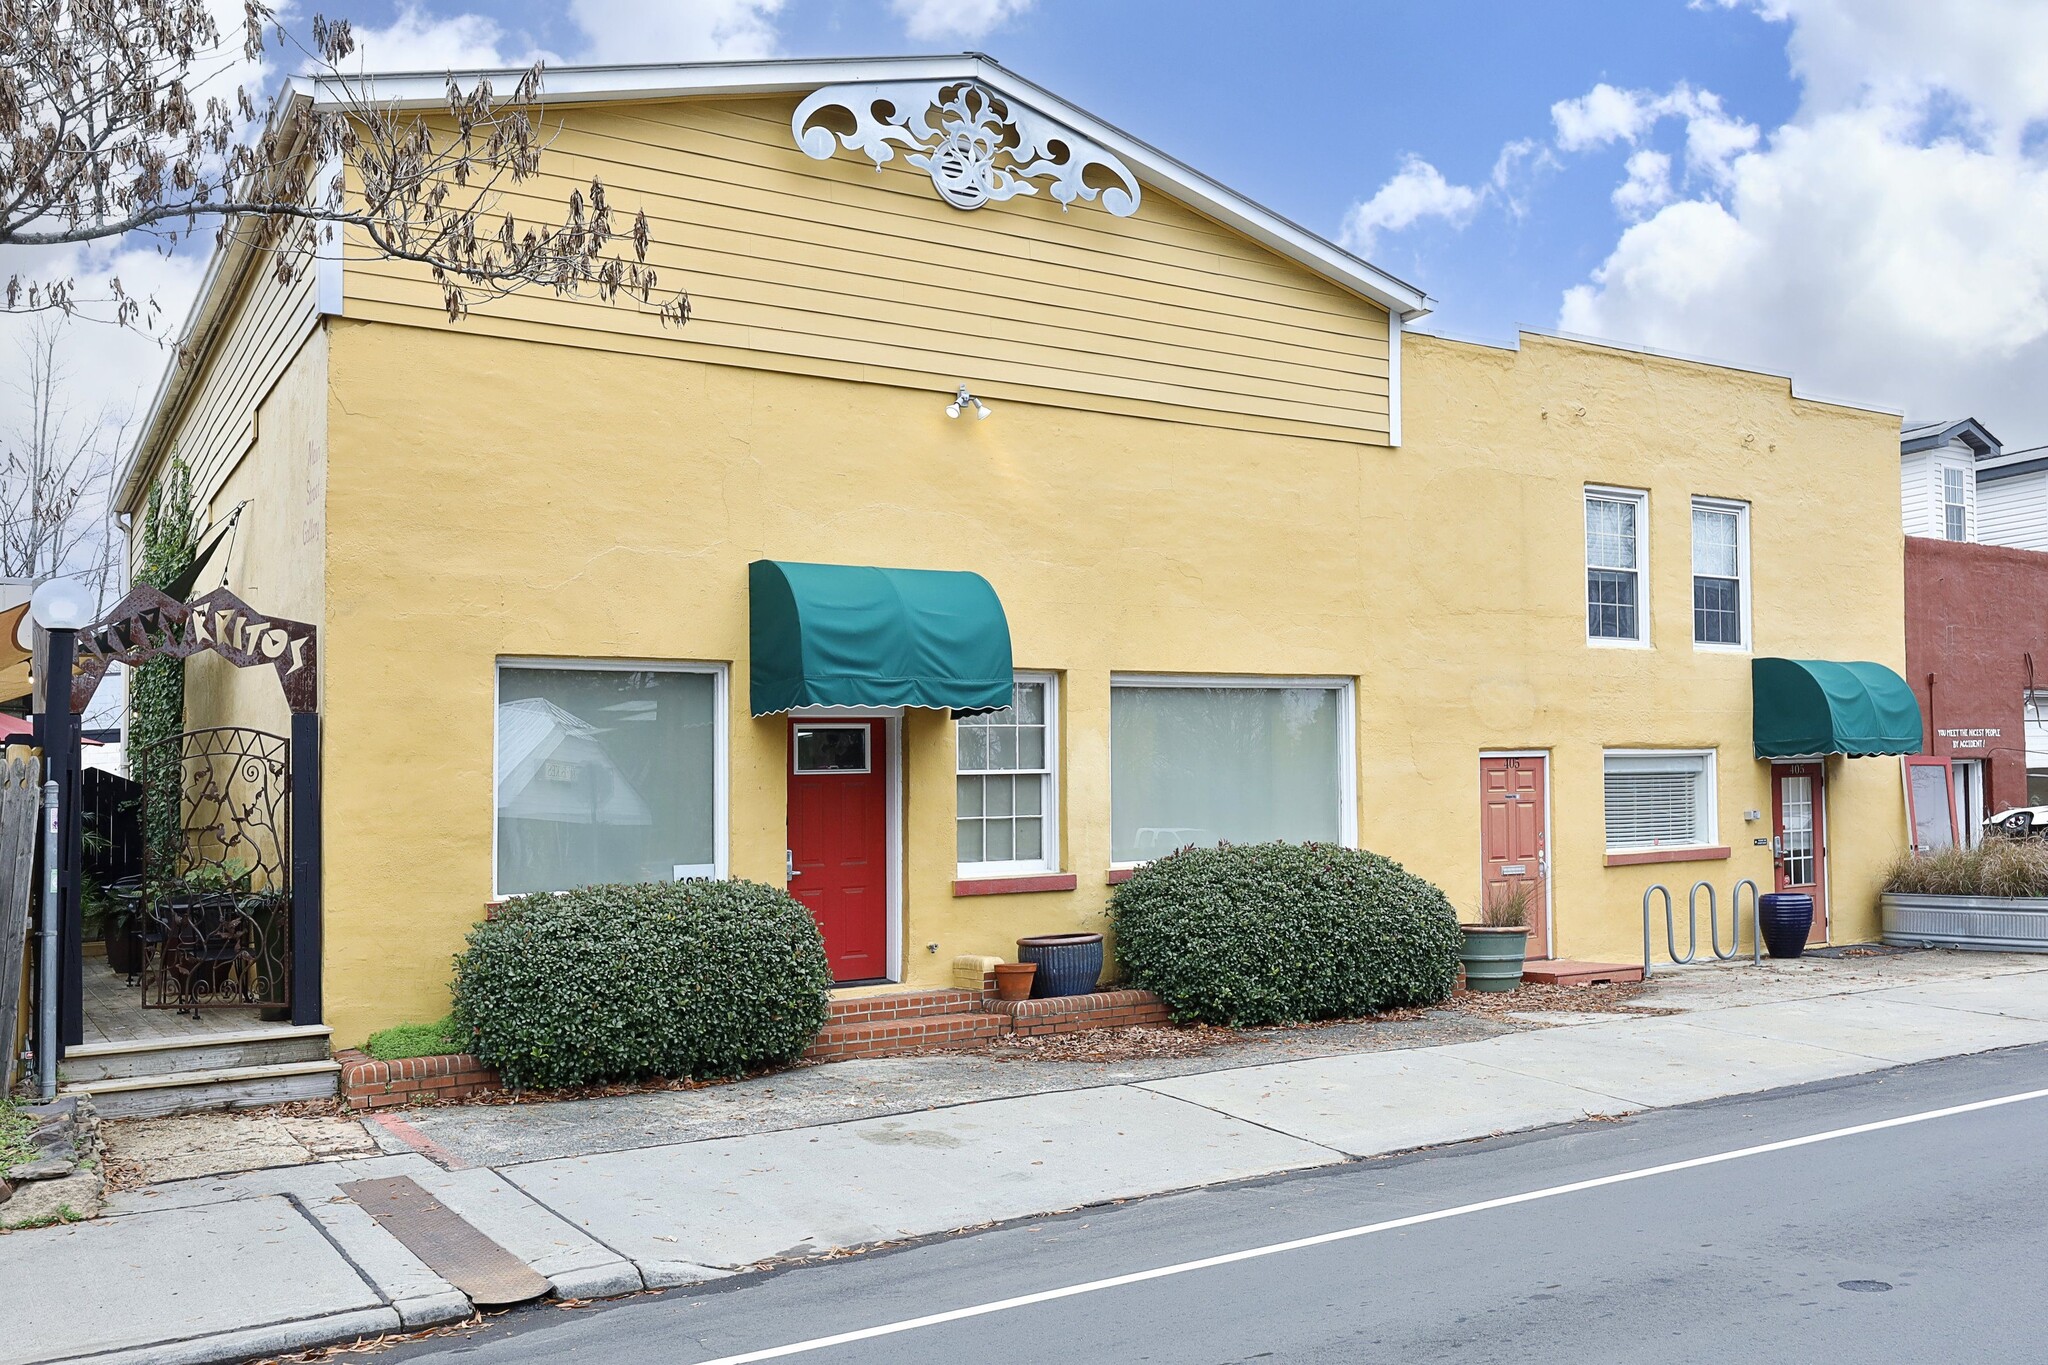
591, 84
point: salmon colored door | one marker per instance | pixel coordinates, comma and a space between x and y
1799, 837
839, 840
1514, 838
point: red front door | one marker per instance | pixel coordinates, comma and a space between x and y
839, 840
1799, 837
1514, 849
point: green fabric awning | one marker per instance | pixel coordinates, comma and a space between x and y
1812, 706
838, 635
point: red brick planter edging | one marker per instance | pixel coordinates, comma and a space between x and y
367, 1083
862, 1026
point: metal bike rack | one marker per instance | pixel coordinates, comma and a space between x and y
1692, 924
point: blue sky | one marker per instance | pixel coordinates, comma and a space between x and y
1849, 192
1309, 105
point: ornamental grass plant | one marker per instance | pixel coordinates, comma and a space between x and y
611, 983
1997, 867
1283, 933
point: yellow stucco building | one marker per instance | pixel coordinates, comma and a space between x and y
1270, 564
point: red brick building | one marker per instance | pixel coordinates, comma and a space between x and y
1976, 652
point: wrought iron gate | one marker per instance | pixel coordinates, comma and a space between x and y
217, 876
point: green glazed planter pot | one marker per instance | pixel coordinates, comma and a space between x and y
1493, 957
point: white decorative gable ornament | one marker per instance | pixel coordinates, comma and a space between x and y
979, 149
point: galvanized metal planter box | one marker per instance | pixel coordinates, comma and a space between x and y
1992, 923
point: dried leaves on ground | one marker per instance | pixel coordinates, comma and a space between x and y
1533, 998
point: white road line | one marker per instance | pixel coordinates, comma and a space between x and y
1346, 1234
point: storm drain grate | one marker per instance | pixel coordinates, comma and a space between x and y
452, 1248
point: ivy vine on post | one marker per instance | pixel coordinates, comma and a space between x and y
156, 696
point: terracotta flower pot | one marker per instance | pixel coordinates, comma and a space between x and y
1013, 980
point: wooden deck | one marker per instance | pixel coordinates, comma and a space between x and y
114, 1013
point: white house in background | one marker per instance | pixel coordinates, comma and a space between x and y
1938, 464
1958, 482
2012, 499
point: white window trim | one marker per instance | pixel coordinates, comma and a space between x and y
1049, 829
1711, 801
1942, 504
721, 748
1741, 511
1347, 730
1641, 498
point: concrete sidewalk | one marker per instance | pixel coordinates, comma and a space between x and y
223, 1268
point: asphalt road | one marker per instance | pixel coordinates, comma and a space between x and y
1922, 1241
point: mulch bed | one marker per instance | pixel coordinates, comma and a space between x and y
1533, 998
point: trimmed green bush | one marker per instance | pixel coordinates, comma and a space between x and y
1284, 933
400, 1041
610, 983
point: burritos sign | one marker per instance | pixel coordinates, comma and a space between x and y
149, 624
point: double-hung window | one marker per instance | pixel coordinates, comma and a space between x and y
1955, 503
1658, 799
608, 773
1720, 573
1205, 761
1615, 565
1007, 801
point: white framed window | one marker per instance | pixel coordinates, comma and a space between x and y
1006, 812
1660, 798
1617, 566
1955, 503
608, 772
1209, 760
1720, 574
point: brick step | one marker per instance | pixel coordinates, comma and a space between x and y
903, 1005
886, 1037
1563, 971
1079, 1013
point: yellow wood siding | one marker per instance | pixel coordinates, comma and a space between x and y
835, 269
267, 325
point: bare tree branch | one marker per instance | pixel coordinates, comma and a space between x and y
104, 134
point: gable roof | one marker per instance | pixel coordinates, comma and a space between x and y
1154, 168
1915, 437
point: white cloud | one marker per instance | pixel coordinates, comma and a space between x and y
418, 41
969, 19
1417, 191
1648, 185
1602, 115
1884, 245
676, 30
1606, 114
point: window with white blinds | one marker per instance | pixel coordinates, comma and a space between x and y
1659, 800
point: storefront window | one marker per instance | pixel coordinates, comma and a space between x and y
1208, 763
606, 774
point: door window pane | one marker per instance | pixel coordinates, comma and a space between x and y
1210, 765
1795, 802
604, 775
832, 749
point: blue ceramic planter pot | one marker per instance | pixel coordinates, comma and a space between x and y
1787, 918
1068, 964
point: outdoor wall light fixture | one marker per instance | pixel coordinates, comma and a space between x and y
963, 400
